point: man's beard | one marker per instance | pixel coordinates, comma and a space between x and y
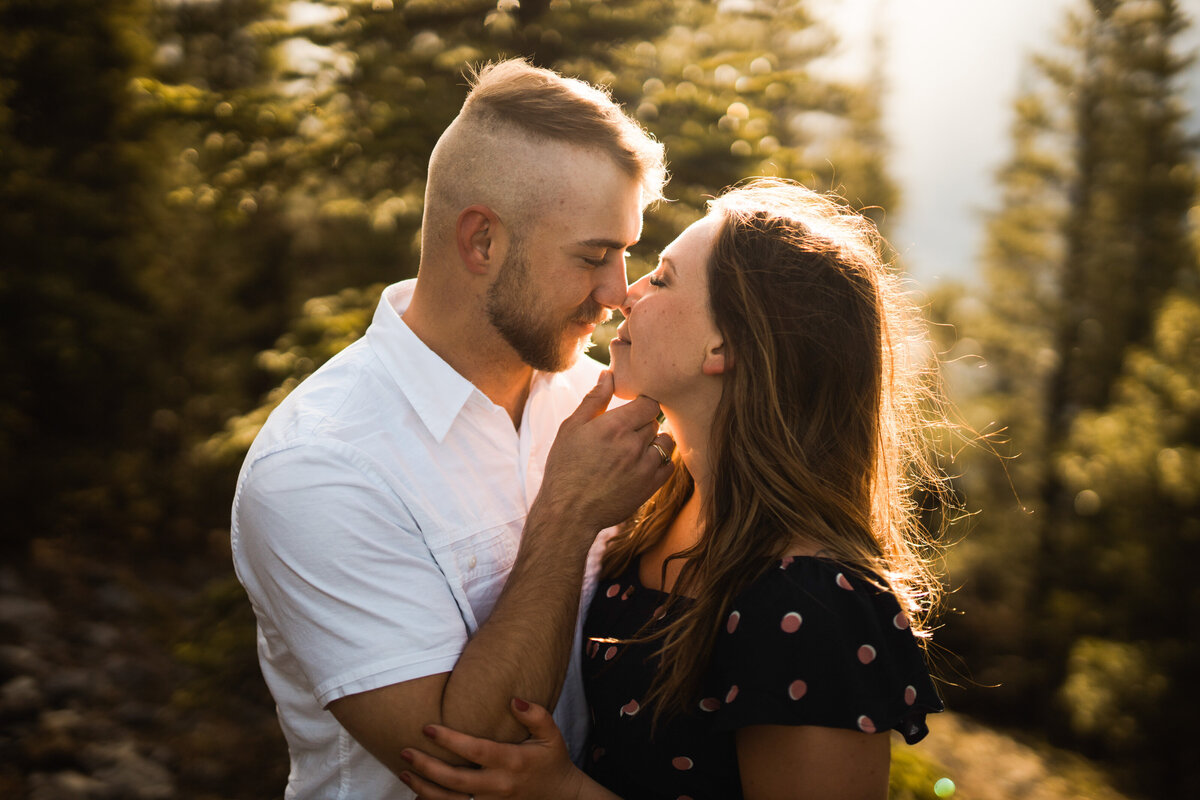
513, 309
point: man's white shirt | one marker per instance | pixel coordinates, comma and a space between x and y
375, 520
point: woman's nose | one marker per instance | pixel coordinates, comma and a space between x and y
636, 289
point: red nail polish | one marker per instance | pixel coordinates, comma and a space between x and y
520, 704
430, 731
407, 755
404, 776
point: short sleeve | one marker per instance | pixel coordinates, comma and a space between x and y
335, 565
811, 644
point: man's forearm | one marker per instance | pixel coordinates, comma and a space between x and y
524, 647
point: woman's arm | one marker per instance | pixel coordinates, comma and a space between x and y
537, 768
783, 762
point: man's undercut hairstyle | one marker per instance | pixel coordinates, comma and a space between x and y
549, 106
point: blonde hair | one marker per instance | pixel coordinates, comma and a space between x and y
550, 106
820, 433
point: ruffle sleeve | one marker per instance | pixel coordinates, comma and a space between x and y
810, 643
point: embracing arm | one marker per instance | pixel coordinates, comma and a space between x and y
521, 650
538, 768
599, 471
781, 762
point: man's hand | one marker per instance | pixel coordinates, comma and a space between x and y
603, 464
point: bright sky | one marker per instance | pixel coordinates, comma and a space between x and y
953, 67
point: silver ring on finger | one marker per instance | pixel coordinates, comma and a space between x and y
663, 454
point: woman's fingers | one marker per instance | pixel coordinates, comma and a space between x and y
539, 767
429, 791
478, 751
442, 776
535, 718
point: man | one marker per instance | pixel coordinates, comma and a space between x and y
388, 525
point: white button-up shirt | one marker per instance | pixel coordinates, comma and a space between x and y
376, 518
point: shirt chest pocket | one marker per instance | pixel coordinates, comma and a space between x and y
482, 562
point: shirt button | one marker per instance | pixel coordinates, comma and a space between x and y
471, 564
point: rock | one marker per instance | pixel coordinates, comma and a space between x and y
26, 614
102, 635
62, 720
75, 682
54, 746
10, 581
114, 598
128, 673
136, 713
68, 785
20, 697
128, 774
17, 660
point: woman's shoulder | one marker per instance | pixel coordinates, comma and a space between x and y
813, 641
827, 589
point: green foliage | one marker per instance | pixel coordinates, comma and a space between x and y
1133, 180
1089, 331
1146, 444
1112, 688
74, 324
913, 775
218, 641
327, 325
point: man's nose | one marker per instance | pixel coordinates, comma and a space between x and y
610, 292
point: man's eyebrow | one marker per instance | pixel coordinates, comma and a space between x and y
607, 244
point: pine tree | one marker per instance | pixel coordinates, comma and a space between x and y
1089, 241
75, 325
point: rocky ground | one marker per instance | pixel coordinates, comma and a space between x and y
133, 681
96, 705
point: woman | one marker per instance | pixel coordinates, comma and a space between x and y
755, 629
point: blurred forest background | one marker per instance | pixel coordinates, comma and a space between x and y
201, 199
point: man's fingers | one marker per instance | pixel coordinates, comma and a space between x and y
637, 412
662, 447
596, 401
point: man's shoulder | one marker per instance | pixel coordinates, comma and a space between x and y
341, 401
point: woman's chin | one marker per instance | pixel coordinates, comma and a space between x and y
624, 394
622, 387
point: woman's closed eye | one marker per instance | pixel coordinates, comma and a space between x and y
657, 281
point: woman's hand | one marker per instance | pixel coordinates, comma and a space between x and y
539, 767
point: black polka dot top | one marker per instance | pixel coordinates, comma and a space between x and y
808, 643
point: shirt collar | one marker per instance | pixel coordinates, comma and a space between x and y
436, 392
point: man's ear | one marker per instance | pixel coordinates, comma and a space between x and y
478, 234
718, 359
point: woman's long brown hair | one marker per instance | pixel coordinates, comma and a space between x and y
819, 436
